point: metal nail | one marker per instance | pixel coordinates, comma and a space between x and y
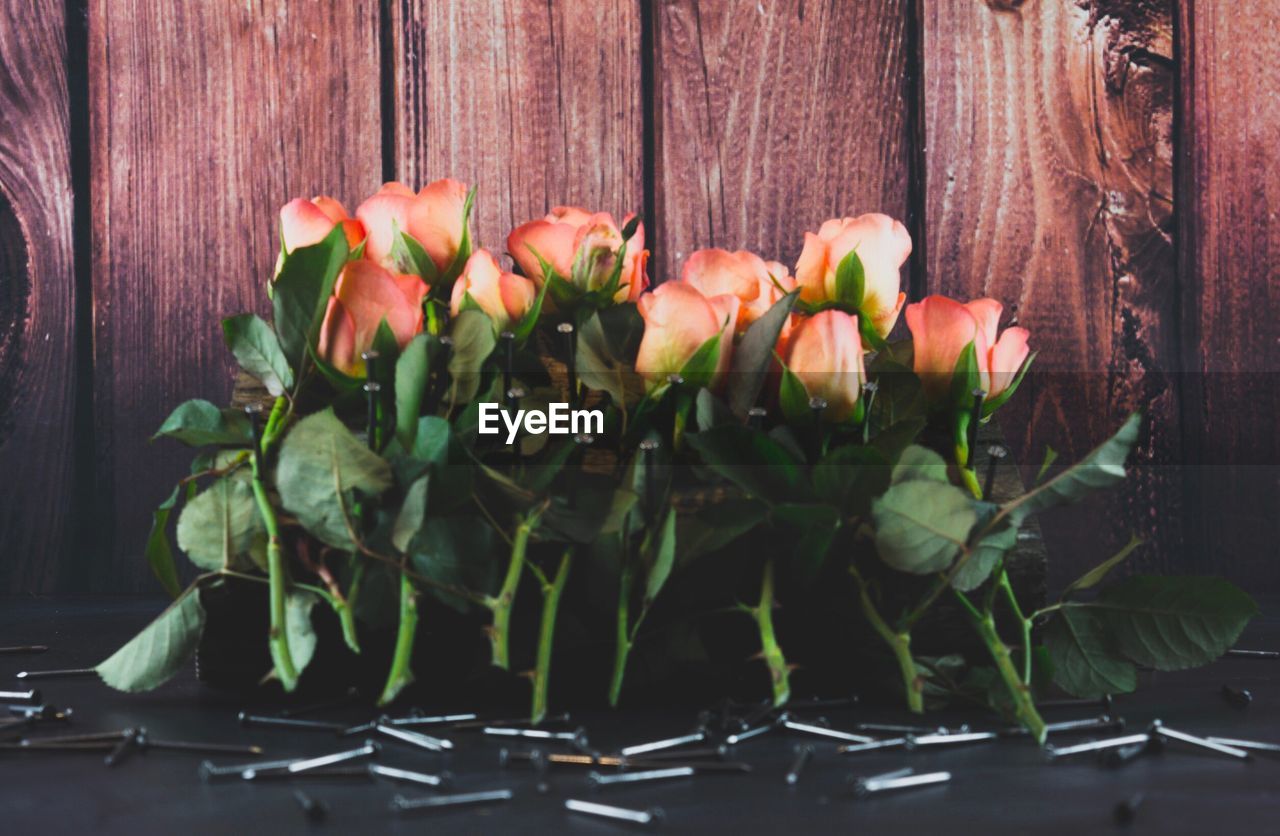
1253, 654
667, 743
979, 396
756, 416
892, 728
576, 737
208, 770
1126, 810
40, 712
819, 731
412, 777
738, 737
1105, 702
23, 648
20, 696
950, 739
87, 737
608, 811
538, 758
514, 722
597, 779
126, 747
868, 786
757, 715
875, 745
1103, 723
438, 720
804, 752
995, 454
200, 746
698, 767
402, 804
59, 674
712, 752
290, 723
1122, 755
87, 746
1239, 697
368, 750
422, 741
1251, 745
1055, 752
312, 808
1173, 734
341, 773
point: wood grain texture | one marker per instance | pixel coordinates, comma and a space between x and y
37, 296
536, 102
206, 118
774, 116
1230, 190
1049, 186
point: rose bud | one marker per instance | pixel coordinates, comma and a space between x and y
581, 247
882, 245
825, 352
434, 217
941, 328
505, 297
307, 222
754, 281
363, 296
677, 321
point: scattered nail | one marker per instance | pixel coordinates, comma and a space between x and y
756, 416
422, 741
438, 720
1239, 697
1054, 752
313, 809
894, 728
200, 746
340, 773
402, 804
1103, 723
698, 767
819, 731
738, 737
21, 696
41, 712
1173, 734
368, 750
290, 723
59, 674
1253, 654
23, 648
995, 454
804, 752
1251, 745
208, 770
712, 752
875, 745
597, 779
1122, 755
578, 736
126, 747
668, 743
608, 811
411, 777
870, 786
950, 739
1127, 810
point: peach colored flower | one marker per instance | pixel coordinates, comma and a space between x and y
505, 297
307, 222
882, 244
582, 248
678, 319
942, 327
433, 216
364, 295
825, 352
754, 281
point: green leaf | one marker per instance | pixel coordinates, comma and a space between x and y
918, 462
870, 336
412, 513
598, 367
339, 380
1095, 575
159, 552
794, 398
711, 411
990, 405
220, 524
1102, 468
751, 460
849, 477
717, 525
965, 378
257, 349
700, 369
301, 636
464, 245
459, 551
1050, 456
1171, 623
526, 325
473, 342
816, 527
1085, 661
155, 655
385, 343
301, 293
987, 552
754, 353
412, 371
851, 279
408, 256
198, 423
322, 465
662, 556
921, 525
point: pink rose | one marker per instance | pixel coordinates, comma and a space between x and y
582, 249
434, 217
882, 244
754, 281
307, 222
942, 327
505, 297
677, 321
363, 296
825, 352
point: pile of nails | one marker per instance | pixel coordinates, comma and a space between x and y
713, 746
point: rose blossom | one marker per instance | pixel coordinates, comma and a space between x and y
678, 319
432, 216
942, 327
825, 352
505, 297
582, 248
363, 296
882, 245
754, 281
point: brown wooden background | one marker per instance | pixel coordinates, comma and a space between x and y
1108, 168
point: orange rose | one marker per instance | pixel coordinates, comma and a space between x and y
825, 352
942, 327
677, 321
307, 222
882, 245
582, 249
363, 296
434, 217
505, 297
742, 274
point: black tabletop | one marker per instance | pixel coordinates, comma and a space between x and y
1002, 787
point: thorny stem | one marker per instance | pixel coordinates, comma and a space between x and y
771, 652
622, 636
1006, 586
401, 673
900, 643
1023, 706
551, 593
278, 637
500, 630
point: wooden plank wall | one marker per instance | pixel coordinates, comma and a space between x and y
1108, 168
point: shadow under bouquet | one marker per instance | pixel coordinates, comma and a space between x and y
451, 471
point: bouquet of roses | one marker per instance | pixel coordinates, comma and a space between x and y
412, 458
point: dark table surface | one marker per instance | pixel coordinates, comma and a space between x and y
1003, 787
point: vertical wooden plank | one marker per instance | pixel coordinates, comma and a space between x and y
536, 102
774, 116
1230, 186
206, 118
37, 296
1049, 187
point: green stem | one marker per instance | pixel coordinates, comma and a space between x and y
278, 636
1023, 706
500, 631
962, 454
779, 674
347, 613
433, 318
900, 643
622, 636
401, 673
1002, 581
275, 423
551, 593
